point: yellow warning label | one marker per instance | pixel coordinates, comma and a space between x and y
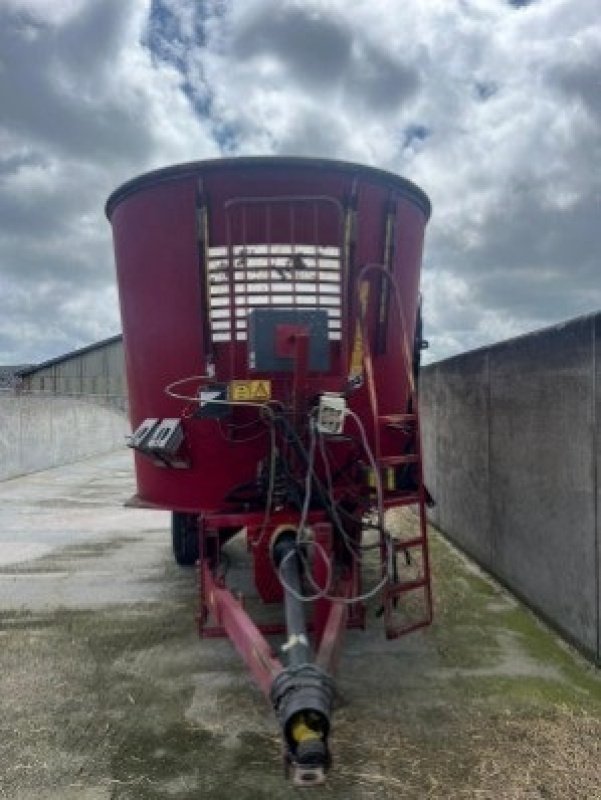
254, 391
357, 355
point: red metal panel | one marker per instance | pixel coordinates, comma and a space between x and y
163, 285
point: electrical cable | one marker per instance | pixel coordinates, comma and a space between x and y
264, 409
379, 495
273, 453
321, 592
372, 394
339, 509
372, 462
300, 532
350, 546
303, 598
301, 451
227, 438
214, 401
309, 478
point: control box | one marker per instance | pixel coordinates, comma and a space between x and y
331, 412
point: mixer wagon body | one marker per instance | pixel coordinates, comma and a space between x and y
269, 310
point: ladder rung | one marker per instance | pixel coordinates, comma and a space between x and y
394, 461
393, 499
400, 588
397, 419
394, 631
401, 545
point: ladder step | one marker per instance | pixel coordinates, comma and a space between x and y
397, 419
395, 631
400, 588
394, 461
405, 544
394, 499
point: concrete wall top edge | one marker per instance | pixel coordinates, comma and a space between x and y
528, 339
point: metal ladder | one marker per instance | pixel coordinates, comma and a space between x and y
406, 423
405, 588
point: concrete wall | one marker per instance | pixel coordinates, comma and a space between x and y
511, 450
39, 431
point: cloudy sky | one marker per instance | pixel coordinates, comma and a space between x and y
493, 107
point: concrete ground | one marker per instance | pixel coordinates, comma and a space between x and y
106, 691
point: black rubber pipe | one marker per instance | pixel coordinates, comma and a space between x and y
302, 693
288, 563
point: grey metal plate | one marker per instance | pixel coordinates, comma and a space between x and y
262, 331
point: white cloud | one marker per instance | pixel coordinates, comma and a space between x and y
492, 108
84, 107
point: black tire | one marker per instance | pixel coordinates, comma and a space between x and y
184, 537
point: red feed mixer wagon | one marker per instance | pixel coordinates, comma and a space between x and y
271, 328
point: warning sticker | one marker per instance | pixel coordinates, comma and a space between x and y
212, 402
254, 391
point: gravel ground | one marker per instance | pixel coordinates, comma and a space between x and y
106, 691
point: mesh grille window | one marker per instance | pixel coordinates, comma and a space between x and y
272, 276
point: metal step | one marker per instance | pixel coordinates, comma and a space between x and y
397, 589
393, 595
400, 498
395, 461
405, 544
393, 420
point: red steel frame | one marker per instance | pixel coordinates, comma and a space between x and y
230, 618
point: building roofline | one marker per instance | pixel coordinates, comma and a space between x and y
73, 353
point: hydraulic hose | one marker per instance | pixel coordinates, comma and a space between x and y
301, 694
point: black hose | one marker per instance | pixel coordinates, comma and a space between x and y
289, 565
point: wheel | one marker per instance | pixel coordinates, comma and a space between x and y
184, 537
